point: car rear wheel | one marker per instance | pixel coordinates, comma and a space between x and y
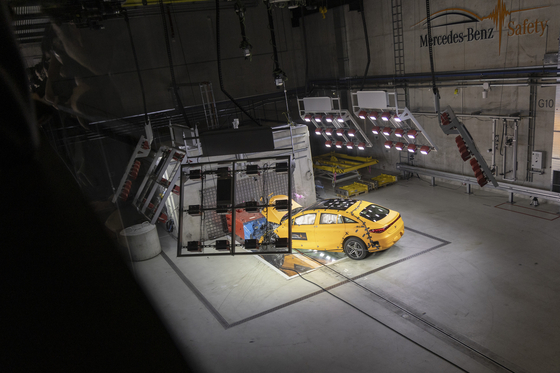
355, 248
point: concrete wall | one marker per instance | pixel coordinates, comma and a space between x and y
527, 33
103, 59
518, 45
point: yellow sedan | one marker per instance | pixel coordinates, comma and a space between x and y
344, 225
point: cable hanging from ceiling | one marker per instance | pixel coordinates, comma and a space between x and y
219, 57
179, 102
430, 43
244, 45
125, 13
279, 75
367, 44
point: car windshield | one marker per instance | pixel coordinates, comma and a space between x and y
374, 212
294, 211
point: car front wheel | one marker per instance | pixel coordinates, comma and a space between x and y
355, 248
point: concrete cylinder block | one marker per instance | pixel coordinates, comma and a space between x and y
142, 241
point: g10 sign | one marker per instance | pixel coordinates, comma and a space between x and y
498, 17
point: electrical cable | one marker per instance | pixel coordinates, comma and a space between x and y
367, 44
277, 72
171, 69
218, 52
245, 45
430, 43
183, 52
379, 321
302, 16
125, 12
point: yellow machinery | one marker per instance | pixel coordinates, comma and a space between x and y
340, 167
351, 190
384, 179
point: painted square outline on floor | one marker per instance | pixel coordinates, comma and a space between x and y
226, 325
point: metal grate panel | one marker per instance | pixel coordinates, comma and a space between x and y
247, 189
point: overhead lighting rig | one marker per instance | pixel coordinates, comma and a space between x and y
337, 126
380, 108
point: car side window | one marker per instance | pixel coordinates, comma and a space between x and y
328, 219
348, 220
307, 219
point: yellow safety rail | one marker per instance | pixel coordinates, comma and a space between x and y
341, 163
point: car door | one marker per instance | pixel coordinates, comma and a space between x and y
329, 232
303, 235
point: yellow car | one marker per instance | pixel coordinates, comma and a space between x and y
344, 225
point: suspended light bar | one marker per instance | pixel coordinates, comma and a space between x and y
399, 132
425, 149
328, 143
340, 132
388, 144
362, 114
376, 130
340, 119
373, 115
361, 146
399, 146
329, 118
411, 148
338, 144
385, 116
318, 118
349, 144
318, 131
328, 131
412, 134
307, 118
352, 133
387, 131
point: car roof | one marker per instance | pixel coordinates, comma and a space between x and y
340, 204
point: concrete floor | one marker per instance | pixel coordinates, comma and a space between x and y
472, 286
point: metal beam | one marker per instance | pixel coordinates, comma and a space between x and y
509, 188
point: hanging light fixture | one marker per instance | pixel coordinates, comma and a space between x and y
352, 133
425, 149
412, 134
328, 143
387, 131
308, 117
388, 144
386, 116
399, 132
338, 144
361, 146
376, 130
329, 118
362, 114
396, 118
349, 144
340, 119
411, 148
328, 131
399, 146
340, 132
373, 115
318, 118
318, 131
